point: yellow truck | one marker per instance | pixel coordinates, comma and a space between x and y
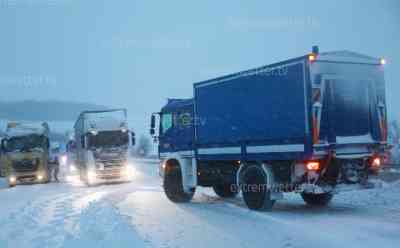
25, 153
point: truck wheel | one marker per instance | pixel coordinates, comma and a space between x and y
225, 190
173, 186
317, 199
254, 189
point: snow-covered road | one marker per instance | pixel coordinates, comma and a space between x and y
138, 214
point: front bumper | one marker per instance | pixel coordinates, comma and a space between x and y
124, 174
27, 178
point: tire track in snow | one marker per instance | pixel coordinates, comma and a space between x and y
67, 216
44, 221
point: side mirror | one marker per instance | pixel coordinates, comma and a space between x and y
152, 125
133, 138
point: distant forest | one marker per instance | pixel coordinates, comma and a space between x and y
44, 110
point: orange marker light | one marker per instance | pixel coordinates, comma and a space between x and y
312, 166
312, 57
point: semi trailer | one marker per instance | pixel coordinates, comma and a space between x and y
103, 141
315, 125
26, 152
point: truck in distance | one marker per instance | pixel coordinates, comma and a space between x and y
68, 160
315, 125
26, 152
103, 142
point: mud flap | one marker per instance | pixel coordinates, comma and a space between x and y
276, 193
189, 174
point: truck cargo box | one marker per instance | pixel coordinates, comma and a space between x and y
290, 109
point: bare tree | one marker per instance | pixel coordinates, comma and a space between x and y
144, 146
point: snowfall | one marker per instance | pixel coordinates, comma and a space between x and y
137, 214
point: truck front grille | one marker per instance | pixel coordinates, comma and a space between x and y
25, 165
112, 163
109, 174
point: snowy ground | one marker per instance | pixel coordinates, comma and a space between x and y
138, 214
3, 183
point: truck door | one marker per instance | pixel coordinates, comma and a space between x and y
166, 132
348, 111
176, 131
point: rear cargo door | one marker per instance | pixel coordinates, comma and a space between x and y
348, 111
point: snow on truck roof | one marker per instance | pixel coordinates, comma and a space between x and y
107, 123
113, 119
15, 129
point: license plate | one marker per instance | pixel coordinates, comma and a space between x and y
24, 180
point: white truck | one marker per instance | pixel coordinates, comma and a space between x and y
103, 142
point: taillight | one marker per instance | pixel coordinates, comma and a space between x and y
376, 162
313, 166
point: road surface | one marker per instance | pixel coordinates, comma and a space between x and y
137, 214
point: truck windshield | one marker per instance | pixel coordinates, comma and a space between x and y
166, 122
25, 143
108, 139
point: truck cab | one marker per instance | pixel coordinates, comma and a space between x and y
103, 142
177, 126
26, 152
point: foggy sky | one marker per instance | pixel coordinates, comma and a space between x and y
135, 54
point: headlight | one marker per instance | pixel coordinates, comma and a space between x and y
128, 172
12, 179
39, 177
64, 159
72, 168
91, 176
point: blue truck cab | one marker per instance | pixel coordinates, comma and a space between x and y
315, 125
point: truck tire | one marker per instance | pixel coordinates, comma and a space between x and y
317, 199
254, 183
225, 190
173, 186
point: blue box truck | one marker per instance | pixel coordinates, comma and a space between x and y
315, 125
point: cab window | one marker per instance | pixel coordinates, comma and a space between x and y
166, 122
